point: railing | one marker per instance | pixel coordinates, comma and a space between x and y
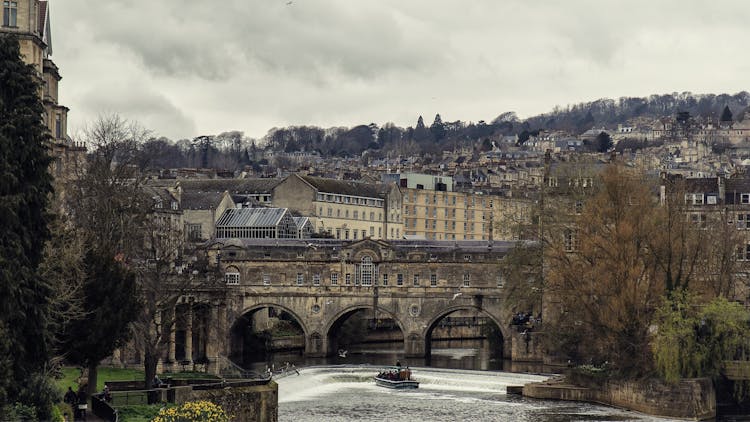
131, 397
231, 370
103, 410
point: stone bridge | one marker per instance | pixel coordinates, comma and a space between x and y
416, 310
322, 282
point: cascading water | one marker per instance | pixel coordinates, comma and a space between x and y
348, 393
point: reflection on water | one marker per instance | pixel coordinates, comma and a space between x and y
473, 354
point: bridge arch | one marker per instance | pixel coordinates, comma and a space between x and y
247, 345
338, 319
250, 309
444, 312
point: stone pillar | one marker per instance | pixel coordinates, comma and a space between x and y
117, 358
189, 334
172, 329
212, 342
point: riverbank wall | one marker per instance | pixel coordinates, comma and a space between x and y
690, 399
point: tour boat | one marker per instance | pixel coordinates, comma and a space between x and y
396, 377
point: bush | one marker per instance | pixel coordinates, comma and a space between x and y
199, 411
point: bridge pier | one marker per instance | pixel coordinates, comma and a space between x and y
316, 345
415, 345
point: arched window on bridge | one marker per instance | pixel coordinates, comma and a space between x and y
366, 271
232, 275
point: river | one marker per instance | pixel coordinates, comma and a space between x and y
462, 381
348, 393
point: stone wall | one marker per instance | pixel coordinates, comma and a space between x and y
526, 347
692, 399
257, 403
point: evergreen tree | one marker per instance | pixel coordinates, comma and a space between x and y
421, 133
109, 305
726, 115
25, 185
437, 128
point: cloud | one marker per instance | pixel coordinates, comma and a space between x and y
151, 109
196, 67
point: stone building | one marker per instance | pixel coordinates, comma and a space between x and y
29, 20
343, 209
445, 215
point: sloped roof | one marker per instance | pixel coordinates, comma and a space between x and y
251, 217
200, 200
301, 221
701, 185
233, 186
346, 187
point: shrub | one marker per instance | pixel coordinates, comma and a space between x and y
199, 411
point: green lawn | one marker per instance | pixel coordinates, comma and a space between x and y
139, 413
71, 374
69, 379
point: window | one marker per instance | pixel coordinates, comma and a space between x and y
433, 280
743, 253
330, 212
366, 271
300, 279
467, 257
698, 220
569, 240
348, 279
334, 279
232, 277
356, 215
194, 232
500, 281
266, 279
58, 122
467, 279
416, 280
10, 13
745, 198
372, 216
399, 279
385, 279
743, 221
579, 207
696, 198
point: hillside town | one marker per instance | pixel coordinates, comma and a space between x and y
202, 278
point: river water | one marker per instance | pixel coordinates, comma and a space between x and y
462, 381
348, 393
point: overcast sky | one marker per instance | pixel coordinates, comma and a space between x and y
187, 67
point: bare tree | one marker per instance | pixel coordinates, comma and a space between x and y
161, 283
107, 206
